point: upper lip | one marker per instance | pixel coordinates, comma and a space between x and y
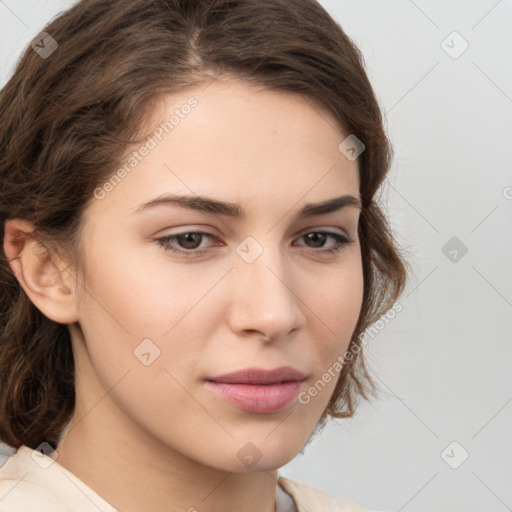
260, 376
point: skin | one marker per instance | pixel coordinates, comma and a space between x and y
171, 443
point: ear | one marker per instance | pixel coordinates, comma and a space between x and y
44, 277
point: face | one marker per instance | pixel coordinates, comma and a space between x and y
179, 296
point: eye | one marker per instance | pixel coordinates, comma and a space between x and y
340, 240
188, 244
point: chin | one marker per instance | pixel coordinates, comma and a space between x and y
252, 461
267, 449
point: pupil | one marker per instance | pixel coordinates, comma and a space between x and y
189, 240
315, 237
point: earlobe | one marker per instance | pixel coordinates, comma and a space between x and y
42, 275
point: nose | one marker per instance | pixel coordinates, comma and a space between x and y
264, 298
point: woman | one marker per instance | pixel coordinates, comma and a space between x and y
192, 251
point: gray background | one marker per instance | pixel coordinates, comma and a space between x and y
444, 362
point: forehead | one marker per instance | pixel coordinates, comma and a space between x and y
238, 142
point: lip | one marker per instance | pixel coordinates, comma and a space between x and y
258, 390
260, 376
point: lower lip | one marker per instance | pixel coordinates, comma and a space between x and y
260, 398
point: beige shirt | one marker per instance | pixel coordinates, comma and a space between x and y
31, 481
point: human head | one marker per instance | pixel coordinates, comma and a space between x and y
75, 112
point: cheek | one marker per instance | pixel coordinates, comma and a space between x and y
339, 303
143, 336
132, 297
337, 310
141, 290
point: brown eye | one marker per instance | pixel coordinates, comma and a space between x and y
189, 240
187, 244
317, 240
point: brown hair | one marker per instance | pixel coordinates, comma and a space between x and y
67, 119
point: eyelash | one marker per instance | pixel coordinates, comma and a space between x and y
164, 242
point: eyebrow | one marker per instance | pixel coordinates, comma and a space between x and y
213, 206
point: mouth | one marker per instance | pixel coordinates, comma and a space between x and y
257, 390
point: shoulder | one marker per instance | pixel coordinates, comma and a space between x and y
19, 494
311, 499
30, 480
